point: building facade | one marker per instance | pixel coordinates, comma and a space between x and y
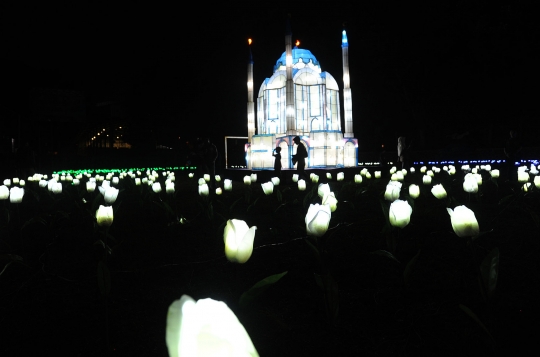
300, 99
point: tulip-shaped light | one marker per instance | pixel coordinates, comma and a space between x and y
238, 238
4, 192
90, 186
156, 187
523, 176
393, 189
110, 194
537, 181
470, 184
205, 328
318, 219
438, 191
268, 187
57, 188
322, 189
204, 190
399, 213
464, 222
104, 216
414, 191
16, 194
331, 200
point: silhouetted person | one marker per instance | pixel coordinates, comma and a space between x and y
403, 151
277, 161
299, 157
512, 147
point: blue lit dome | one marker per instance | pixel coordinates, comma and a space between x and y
298, 54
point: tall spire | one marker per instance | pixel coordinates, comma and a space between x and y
347, 96
250, 104
289, 87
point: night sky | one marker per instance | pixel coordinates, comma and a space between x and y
429, 73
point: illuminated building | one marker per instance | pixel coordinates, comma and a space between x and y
299, 99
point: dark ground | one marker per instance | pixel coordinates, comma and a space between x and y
51, 304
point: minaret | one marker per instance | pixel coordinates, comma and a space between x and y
289, 87
347, 99
250, 104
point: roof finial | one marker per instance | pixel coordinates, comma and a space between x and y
249, 46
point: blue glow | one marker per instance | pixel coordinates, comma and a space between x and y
297, 54
344, 40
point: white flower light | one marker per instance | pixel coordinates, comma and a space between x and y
57, 188
438, 191
268, 188
399, 213
204, 190
470, 184
4, 192
205, 328
156, 187
104, 216
318, 219
238, 238
393, 190
414, 191
464, 222
322, 189
330, 199
109, 194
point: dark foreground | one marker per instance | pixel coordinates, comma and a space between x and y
423, 300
